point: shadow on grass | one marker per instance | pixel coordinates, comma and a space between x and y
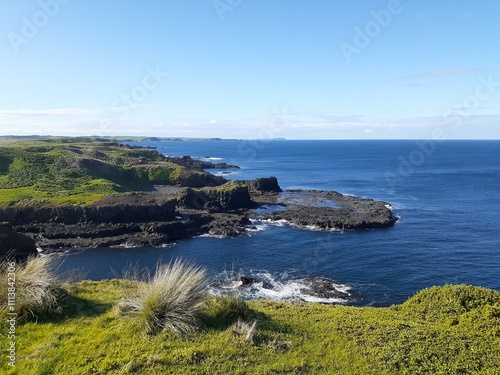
72, 307
222, 312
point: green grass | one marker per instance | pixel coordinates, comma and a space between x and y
460, 335
228, 186
77, 171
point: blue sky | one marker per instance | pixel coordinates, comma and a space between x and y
317, 69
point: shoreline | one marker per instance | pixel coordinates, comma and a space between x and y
157, 220
84, 193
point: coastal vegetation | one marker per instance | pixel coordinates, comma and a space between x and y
30, 289
168, 323
453, 329
78, 170
171, 299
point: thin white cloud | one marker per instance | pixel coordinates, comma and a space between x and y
50, 112
440, 73
292, 126
412, 85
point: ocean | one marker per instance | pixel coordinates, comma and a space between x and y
446, 195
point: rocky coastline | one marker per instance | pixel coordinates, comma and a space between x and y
170, 213
178, 199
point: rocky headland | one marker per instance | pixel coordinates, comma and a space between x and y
330, 210
168, 199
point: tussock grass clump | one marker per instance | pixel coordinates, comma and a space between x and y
246, 329
37, 291
170, 300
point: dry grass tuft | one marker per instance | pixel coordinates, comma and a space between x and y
247, 329
170, 300
37, 291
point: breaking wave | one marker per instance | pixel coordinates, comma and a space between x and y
264, 285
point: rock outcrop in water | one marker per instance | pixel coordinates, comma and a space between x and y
332, 211
264, 184
14, 244
319, 289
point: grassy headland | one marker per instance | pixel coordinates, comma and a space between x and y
77, 170
441, 330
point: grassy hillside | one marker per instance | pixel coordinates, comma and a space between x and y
77, 170
441, 330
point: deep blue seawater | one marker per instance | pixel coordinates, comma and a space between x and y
446, 194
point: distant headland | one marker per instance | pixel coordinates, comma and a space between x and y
127, 138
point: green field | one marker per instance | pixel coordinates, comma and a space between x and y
441, 330
77, 171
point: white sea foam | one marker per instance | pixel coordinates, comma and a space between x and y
270, 287
208, 235
125, 245
223, 173
315, 228
212, 159
278, 223
256, 226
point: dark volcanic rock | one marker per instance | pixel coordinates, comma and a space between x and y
227, 225
170, 213
332, 210
15, 244
198, 179
232, 196
118, 213
188, 162
324, 288
246, 281
267, 184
